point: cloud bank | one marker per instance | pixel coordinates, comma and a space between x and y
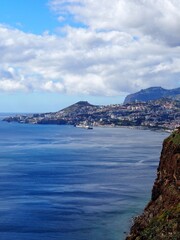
115, 47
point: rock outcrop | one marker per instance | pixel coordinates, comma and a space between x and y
161, 217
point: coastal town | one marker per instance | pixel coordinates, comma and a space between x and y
163, 114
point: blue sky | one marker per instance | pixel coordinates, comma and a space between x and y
29, 15
57, 52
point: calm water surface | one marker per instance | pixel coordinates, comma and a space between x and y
66, 183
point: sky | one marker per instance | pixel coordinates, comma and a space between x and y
57, 52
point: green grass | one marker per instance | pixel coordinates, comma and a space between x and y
164, 226
175, 138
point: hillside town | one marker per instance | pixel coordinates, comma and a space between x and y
157, 114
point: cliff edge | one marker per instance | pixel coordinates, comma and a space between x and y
161, 217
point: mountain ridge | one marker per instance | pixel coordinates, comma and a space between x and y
152, 93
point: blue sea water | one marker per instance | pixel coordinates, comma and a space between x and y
66, 183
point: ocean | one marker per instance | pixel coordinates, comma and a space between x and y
67, 183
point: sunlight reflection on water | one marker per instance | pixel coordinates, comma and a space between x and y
60, 182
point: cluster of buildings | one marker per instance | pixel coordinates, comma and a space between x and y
157, 114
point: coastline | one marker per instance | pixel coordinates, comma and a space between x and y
137, 127
160, 115
155, 129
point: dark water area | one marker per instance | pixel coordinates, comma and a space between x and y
67, 183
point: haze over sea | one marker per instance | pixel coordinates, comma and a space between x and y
67, 183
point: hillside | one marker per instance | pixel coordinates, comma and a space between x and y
152, 93
77, 108
161, 217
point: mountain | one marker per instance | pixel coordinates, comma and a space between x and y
152, 93
160, 219
77, 108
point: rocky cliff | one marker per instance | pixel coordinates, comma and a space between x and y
152, 93
161, 217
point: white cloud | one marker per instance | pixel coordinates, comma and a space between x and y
127, 45
158, 19
9, 86
51, 86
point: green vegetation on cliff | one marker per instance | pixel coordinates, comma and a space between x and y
164, 226
174, 138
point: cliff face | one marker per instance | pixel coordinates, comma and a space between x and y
161, 217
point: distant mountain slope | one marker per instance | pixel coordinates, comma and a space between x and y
77, 107
152, 93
